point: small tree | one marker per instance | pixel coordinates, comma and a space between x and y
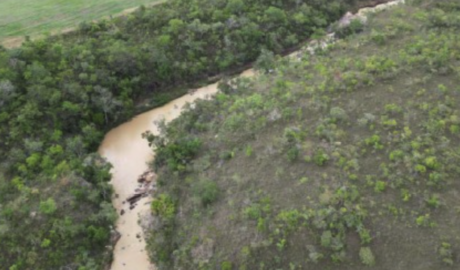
207, 191
7, 91
266, 61
106, 101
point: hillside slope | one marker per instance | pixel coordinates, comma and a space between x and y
348, 159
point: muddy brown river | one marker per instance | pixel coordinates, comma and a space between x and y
129, 153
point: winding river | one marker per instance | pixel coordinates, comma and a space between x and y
129, 153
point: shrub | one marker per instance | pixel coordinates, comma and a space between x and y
45, 243
338, 114
227, 155
433, 201
366, 256
392, 109
315, 256
293, 135
445, 252
163, 206
435, 178
390, 123
266, 62
367, 119
320, 157
293, 153
378, 37
248, 151
226, 265
425, 221
454, 129
48, 207
431, 163
365, 236
396, 155
177, 154
354, 27
253, 212
374, 141
420, 168
207, 191
326, 239
380, 186
405, 195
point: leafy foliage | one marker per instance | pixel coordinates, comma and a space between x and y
366, 256
163, 206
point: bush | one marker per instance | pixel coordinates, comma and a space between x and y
366, 256
355, 26
338, 114
378, 37
374, 141
380, 186
293, 153
226, 265
431, 163
163, 206
48, 207
445, 252
320, 157
207, 191
396, 155
266, 61
177, 154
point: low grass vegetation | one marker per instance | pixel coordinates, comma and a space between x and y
348, 159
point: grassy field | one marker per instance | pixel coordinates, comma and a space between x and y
344, 160
34, 17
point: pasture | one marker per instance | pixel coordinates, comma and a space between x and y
19, 18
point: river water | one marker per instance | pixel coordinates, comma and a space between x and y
129, 153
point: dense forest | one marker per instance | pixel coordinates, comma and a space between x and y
58, 96
345, 159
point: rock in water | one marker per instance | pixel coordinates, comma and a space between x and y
148, 176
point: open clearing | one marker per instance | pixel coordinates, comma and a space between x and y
19, 18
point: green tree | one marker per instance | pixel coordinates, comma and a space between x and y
105, 100
48, 207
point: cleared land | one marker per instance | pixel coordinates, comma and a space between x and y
19, 18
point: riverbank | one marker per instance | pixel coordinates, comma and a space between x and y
129, 154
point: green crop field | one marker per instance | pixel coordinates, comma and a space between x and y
31, 17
